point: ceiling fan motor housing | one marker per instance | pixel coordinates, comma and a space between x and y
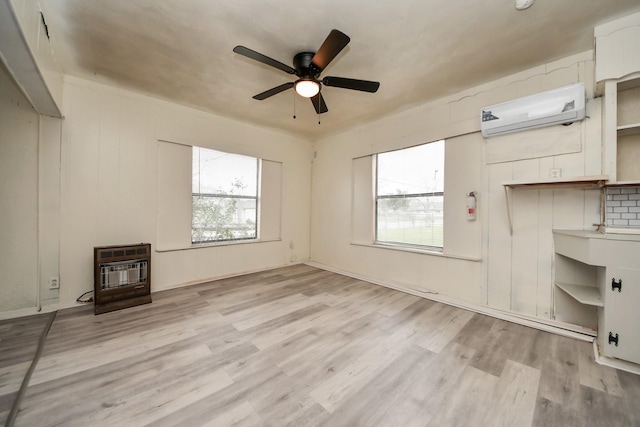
304, 67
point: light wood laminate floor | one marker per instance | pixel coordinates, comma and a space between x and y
301, 346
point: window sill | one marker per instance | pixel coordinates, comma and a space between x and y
416, 250
217, 245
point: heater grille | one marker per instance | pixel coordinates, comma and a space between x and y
125, 273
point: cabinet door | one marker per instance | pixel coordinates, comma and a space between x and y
622, 314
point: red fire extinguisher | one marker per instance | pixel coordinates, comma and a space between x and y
471, 206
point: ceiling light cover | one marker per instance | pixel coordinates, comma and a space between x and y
307, 88
524, 4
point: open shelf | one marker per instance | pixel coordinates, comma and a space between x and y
627, 130
587, 295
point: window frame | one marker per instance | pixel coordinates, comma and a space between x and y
378, 197
223, 196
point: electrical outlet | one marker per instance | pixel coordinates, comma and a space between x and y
555, 173
54, 283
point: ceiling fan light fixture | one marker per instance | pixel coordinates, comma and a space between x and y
307, 88
524, 4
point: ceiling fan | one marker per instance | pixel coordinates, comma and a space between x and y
308, 66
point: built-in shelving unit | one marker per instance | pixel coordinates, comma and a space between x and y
603, 269
597, 282
577, 271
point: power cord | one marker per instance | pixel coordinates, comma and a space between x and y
90, 299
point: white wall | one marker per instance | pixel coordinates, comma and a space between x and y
109, 175
18, 198
482, 263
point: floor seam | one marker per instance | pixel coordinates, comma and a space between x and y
11, 418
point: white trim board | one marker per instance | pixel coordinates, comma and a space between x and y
29, 311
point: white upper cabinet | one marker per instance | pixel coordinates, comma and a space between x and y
618, 48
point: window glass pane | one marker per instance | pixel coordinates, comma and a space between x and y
215, 172
410, 196
225, 196
411, 220
412, 170
219, 218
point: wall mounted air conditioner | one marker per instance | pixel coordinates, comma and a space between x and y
558, 106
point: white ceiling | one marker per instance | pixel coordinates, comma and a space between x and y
420, 50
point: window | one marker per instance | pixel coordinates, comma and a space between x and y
410, 196
225, 196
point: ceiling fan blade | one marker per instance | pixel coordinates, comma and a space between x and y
331, 47
354, 84
319, 104
252, 54
273, 91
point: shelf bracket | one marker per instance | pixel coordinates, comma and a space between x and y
507, 193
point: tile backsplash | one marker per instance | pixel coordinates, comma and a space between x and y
623, 207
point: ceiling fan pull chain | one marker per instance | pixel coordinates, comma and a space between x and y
294, 105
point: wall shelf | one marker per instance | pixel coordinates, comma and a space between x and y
587, 295
579, 182
634, 183
593, 181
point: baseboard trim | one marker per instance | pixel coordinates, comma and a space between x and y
558, 328
23, 312
225, 276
